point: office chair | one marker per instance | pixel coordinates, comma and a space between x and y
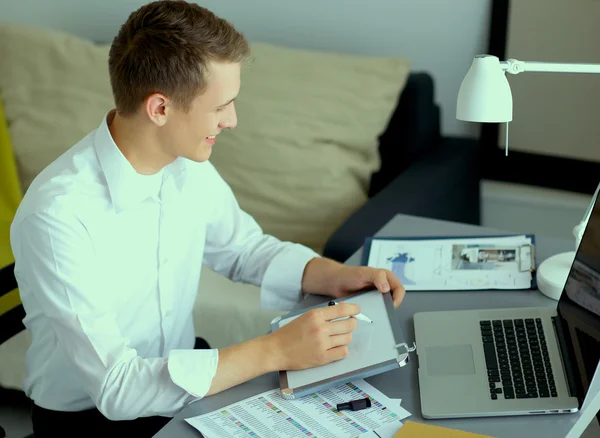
11, 310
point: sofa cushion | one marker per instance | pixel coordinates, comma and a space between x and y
301, 158
55, 90
299, 161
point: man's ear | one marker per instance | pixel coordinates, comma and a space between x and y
157, 108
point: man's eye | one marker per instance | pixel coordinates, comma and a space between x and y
220, 109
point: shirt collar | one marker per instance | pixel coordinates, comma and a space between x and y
127, 187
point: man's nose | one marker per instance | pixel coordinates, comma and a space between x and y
229, 120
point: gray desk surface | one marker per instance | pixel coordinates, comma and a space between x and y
403, 383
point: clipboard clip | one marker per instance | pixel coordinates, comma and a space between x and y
404, 357
527, 261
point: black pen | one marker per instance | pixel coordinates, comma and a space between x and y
355, 405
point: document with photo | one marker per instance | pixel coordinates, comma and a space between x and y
456, 263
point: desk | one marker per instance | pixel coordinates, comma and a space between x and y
403, 383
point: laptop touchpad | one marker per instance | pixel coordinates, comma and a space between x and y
450, 360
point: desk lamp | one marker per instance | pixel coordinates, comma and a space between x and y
485, 96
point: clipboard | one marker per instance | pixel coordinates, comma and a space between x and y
523, 249
375, 348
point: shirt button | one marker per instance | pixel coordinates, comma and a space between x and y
165, 260
167, 314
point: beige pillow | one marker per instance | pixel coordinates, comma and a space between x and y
55, 89
306, 144
299, 161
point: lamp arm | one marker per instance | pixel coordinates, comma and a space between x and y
515, 66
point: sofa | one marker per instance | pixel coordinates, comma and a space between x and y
328, 148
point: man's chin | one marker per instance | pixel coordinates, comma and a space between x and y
201, 156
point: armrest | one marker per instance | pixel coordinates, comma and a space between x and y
444, 184
412, 131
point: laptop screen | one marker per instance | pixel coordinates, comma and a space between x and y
579, 307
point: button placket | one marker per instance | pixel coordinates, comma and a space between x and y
165, 283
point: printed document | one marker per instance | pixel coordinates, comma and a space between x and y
269, 415
457, 263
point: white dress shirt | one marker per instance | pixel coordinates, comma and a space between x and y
108, 263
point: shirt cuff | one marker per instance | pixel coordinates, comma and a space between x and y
193, 370
281, 288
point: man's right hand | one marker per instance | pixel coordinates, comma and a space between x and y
312, 339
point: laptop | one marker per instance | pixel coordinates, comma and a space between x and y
515, 361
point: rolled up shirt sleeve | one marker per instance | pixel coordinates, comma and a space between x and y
56, 266
186, 366
237, 248
282, 283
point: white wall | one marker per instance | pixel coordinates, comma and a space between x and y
438, 36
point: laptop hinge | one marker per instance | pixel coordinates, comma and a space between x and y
564, 355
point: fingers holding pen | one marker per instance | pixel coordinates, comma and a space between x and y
339, 310
343, 326
316, 337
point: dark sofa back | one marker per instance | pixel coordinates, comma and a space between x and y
413, 128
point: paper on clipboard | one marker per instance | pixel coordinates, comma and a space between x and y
375, 348
466, 263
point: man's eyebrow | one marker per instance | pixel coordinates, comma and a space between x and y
227, 103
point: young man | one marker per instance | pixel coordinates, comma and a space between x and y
110, 238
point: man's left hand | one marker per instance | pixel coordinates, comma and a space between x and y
327, 277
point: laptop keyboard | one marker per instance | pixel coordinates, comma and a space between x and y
517, 360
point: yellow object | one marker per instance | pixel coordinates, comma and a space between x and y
10, 196
9, 301
410, 429
10, 190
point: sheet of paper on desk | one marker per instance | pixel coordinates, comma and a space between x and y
269, 415
456, 264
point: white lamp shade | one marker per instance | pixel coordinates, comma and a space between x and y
484, 95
